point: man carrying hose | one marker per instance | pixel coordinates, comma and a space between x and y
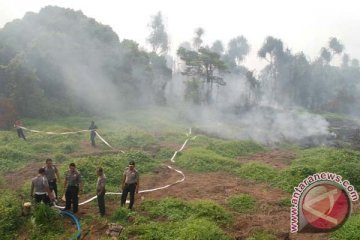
92, 129
130, 184
19, 130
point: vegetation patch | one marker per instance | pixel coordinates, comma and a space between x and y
349, 231
204, 160
235, 148
243, 203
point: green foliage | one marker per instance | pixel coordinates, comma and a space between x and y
178, 210
11, 158
200, 229
340, 161
203, 160
44, 214
10, 220
235, 148
211, 211
257, 171
48, 223
172, 209
243, 203
349, 231
121, 215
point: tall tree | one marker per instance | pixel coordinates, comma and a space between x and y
158, 38
238, 48
203, 65
217, 47
197, 40
335, 45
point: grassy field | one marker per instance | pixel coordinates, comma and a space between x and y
150, 138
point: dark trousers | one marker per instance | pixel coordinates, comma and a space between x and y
92, 138
42, 198
53, 186
129, 188
101, 203
20, 133
71, 196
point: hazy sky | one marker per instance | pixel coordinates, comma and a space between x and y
302, 25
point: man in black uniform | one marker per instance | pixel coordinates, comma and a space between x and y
73, 184
93, 128
130, 184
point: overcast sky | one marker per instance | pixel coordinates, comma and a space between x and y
303, 25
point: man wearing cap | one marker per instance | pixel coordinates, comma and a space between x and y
52, 174
72, 184
130, 184
40, 186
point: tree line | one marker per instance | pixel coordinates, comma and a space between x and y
60, 62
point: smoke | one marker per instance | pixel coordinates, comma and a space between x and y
269, 124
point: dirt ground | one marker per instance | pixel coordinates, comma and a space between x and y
217, 186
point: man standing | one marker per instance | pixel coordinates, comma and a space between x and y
130, 183
40, 186
100, 190
19, 130
93, 128
72, 184
52, 174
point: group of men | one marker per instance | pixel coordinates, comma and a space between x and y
44, 186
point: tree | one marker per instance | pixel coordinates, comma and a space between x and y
197, 41
203, 65
335, 45
158, 38
325, 55
217, 47
238, 48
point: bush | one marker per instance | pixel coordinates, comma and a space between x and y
235, 148
172, 209
121, 215
44, 215
257, 171
10, 209
242, 203
211, 211
198, 229
203, 160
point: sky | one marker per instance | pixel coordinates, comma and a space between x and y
304, 25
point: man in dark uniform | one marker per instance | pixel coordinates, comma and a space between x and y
93, 128
100, 190
73, 184
40, 186
130, 184
52, 174
19, 130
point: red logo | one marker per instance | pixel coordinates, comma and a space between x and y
326, 207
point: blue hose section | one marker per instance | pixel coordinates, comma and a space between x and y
75, 220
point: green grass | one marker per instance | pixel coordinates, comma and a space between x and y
261, 235
243, 203
235, 148
204, 160
349, 231
10, 220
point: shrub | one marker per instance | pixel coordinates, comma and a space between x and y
211, 211
171, 208
197, 229
203, 160
257, 171
243, 203
10, 209
235, 148
121, 215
